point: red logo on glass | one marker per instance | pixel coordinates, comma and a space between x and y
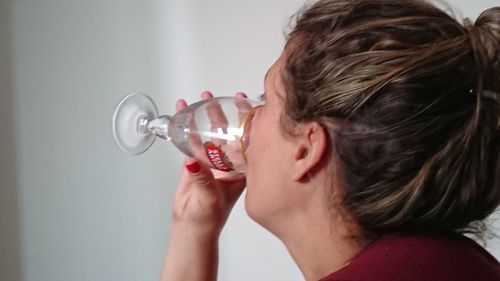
217, 157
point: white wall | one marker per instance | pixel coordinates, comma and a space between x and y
72, 206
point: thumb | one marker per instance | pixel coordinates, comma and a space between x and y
234, 186
201, 175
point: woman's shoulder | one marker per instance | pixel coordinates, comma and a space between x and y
420, 257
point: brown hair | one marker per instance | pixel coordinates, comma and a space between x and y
407, 93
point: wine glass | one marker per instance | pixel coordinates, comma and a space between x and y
215, 131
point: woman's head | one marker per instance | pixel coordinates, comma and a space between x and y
405, 92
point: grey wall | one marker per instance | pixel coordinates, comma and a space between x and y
72, 206
85, 211
10, 261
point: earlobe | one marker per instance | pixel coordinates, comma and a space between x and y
312, 144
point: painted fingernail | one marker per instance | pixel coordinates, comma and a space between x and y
193, 167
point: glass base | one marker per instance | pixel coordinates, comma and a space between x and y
129, 120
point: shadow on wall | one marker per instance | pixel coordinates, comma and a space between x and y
10, 252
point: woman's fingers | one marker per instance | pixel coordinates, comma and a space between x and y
205, 185
206, 95
233, 187
218, 125
243, 106
240, 95
217, 119
180, 105
202, 177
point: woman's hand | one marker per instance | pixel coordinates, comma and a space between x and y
202, 204
205, 196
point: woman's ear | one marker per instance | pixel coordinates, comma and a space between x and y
312, 144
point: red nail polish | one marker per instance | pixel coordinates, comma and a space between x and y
193, 167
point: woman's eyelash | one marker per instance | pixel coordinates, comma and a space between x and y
262, 97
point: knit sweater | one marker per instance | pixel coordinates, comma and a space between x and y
420, 258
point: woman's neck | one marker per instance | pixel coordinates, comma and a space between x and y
321, 245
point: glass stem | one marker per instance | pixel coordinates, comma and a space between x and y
157, 126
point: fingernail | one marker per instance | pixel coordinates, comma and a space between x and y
193, 167
207, 93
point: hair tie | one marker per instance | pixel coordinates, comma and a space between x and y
490, 95
487, 94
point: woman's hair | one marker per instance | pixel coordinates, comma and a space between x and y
411, 100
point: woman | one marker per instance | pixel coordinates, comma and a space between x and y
377, 147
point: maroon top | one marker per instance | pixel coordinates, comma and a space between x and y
420, 258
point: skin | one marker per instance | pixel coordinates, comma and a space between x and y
288, 195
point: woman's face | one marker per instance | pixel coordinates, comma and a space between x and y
269, 156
